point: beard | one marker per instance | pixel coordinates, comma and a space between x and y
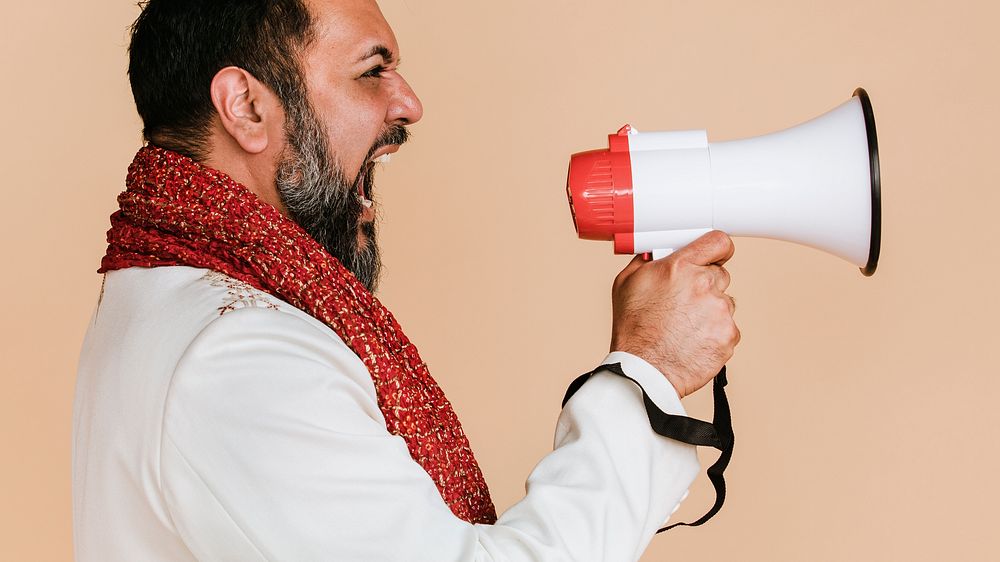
313, 187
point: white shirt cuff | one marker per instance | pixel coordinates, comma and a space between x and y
656, 385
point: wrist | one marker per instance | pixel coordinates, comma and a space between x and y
660, 364
650, 379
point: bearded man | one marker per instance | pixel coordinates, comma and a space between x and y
241, 393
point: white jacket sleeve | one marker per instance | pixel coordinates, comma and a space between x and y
274, 449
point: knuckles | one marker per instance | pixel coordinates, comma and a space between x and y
725, 336
677, 268
721, 307
704, 282
725, 277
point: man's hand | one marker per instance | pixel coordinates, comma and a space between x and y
675, 314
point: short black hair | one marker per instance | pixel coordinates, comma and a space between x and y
178, 46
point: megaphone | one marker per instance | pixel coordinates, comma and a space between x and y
815, 184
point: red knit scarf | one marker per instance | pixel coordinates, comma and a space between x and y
178, 212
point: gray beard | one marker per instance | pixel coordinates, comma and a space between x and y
315, 190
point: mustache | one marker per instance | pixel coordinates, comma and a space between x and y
395, 134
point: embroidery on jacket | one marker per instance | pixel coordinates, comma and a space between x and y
100, 298
238, 294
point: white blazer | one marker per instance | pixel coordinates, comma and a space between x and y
214, 422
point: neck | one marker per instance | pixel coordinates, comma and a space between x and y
255, 171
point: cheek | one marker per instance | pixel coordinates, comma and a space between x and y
353, 128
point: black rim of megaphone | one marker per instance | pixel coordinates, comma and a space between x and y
876, 235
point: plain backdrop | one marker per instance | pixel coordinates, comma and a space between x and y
865, 409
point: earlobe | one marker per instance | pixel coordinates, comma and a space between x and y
240, 103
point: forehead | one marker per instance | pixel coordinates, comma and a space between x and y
349, 28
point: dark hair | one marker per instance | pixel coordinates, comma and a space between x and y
178, 46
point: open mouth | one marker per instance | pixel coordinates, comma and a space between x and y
365, 179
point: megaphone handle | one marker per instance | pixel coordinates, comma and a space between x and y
657, 254
660, 254
718, 434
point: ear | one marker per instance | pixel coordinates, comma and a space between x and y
245, 107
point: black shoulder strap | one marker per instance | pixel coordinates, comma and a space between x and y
718, 434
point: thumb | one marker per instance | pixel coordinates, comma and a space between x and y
711, 248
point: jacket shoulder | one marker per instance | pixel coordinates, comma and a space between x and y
233, 294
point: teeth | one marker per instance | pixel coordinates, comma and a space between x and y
384, 159
367, 203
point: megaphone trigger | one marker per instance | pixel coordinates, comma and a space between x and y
654, 255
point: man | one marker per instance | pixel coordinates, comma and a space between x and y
243, 396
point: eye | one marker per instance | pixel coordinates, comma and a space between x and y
375, 72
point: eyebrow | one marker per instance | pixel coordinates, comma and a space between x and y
379, 50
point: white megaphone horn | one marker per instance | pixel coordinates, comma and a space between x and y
815, 184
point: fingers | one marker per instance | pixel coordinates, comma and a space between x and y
732, 304
714, 247
720, 277
633, 265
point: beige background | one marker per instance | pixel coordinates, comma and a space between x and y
866, 409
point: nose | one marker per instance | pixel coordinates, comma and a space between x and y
405, 108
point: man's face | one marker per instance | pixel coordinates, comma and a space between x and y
353, 111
